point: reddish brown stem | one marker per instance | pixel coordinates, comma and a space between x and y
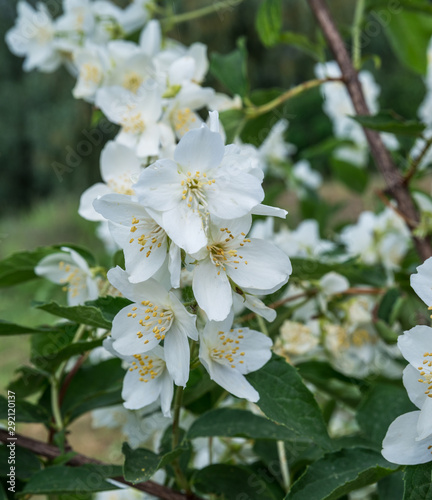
393, 178
49, 451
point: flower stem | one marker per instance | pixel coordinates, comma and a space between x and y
356, 34
203, 11
180, 477
262, 325
284, 465
255, 111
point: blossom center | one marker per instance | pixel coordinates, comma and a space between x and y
132, 81
226, 348
425, 372
152, 317
121, 185
90, 73
183, 120
153, 237
75, 279
133, 124
222, 254
148, 368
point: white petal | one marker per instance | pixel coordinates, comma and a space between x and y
424, 425
422, 282
269, 211
167, 392
415, 389
138, 394
118, 163
233, 382
263, 266
177, 355
414, 343
148, 144
212, 290
400, 445
86, 209
199, 150
185, 228
174, 264
257, 306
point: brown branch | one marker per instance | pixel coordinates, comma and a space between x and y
393, 178
51, 452
417, 160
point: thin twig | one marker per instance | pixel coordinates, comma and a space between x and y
383, 160
254, 111
201, 12
51, 452
412, 170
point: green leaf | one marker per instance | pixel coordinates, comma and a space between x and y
412, 5
387, 304
19, 267
326, 378
409, 34
391, 487
94, 386
231, 69
388, 121
285, 399
24, 411
233, 482
269, 21
418, 482
29, 381
97, 313
353, 177
60, 479
26, 463
7, 328
303, 43
233, 121
356, 273
381, 405
228, 422
139, 465
339, 473
46, 346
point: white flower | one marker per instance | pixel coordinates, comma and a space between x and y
138, 115
422, 282
155, 315
382, 238
307, 176
92, 63
198, 184
135, 15
230, 259
229, 354
147, 379
297, 338
76, 22
33, 37
68, 268
305, 241
144, 242
119, 166
274, 149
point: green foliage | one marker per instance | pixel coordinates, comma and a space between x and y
353, 177
24, 412
231, 69
388, 121
295, 407
269, 21
339, 473
26, 462
418, 482
236, 423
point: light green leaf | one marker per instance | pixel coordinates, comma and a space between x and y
229, 422
139, 465
339, 473
231, 69
269, 21
303, 43
286, 400
7, 328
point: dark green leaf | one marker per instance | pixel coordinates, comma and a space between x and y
391, 487
29, 381
285, 399
381, 405
233, 482
94, 386
387, 304
269, 21
60, 479
23, 411
25, 462
139, 465
386, 121
231, 69
353, 177
46, 346
7, 328
231, 423
339, 473
97, 313
418, 482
